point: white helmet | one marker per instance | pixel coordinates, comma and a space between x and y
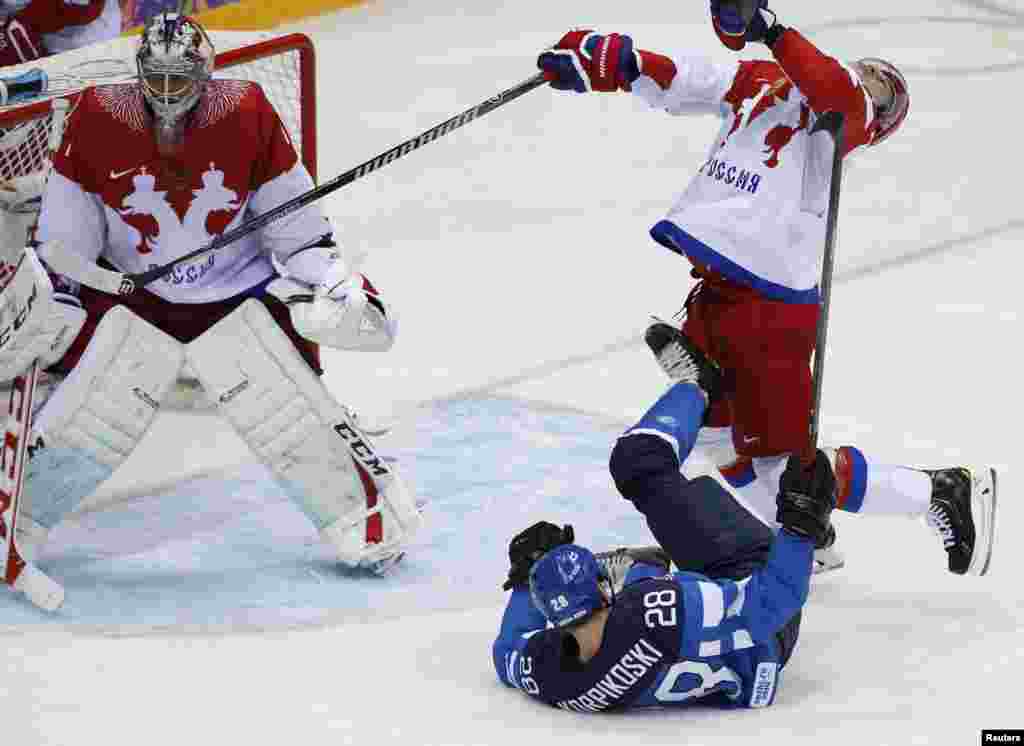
889, 94
175, 60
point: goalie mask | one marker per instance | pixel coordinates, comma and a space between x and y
889, 97
175, 60
567, 585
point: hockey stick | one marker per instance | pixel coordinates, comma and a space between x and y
25, 577
831, 122
88, 273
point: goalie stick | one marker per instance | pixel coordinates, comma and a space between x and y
71, 265
831, 122
23, 576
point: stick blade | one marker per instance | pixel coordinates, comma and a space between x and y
42, 590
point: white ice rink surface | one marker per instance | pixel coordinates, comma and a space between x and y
205, 612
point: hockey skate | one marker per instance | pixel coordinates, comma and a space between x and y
682, 360
962, 512
827, 557
618, 562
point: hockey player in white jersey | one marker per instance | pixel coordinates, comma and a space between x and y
195, 157
752, 222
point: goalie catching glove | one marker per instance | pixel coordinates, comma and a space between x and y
332, 305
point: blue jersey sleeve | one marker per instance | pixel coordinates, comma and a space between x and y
722, 616
520, 621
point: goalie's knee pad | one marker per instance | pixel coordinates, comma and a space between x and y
94, 419
325, 464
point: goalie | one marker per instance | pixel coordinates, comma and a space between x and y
148, 171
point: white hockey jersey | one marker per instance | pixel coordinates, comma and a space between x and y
755, 211
113, 197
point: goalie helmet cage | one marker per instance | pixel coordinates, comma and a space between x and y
284, 66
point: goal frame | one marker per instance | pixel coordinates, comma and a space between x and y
224, 61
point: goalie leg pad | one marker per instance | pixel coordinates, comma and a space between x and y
98, 414
325, 464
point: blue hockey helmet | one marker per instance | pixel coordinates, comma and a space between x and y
565, 584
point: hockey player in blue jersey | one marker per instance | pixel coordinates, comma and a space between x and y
626, 632
589, 633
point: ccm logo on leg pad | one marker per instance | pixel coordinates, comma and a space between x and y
362, 450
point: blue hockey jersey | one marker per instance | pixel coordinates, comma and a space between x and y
669, 640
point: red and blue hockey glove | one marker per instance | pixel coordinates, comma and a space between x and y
585, 61
738, 21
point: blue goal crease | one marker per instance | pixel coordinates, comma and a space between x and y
234, 552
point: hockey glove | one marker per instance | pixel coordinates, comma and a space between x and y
738, 21
530, 545
330, 303
585, 61
807, 495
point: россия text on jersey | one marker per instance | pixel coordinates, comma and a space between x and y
741, 178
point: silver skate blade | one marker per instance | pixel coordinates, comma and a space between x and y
983, 511
827, 560
385, 565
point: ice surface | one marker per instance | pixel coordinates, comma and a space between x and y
204, 611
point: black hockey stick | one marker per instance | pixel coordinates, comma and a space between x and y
128, 283
831, 122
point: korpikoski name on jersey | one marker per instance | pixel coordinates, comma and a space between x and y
112, 195
669, 641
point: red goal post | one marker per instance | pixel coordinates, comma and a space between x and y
284, 66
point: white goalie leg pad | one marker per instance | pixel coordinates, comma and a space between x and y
281, 409
97, 415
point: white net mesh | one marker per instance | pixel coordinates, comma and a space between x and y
283, 66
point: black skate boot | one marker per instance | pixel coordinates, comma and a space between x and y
618, 562
962, 513
682, 360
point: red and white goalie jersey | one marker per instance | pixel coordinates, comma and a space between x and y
755, 210
112, 196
